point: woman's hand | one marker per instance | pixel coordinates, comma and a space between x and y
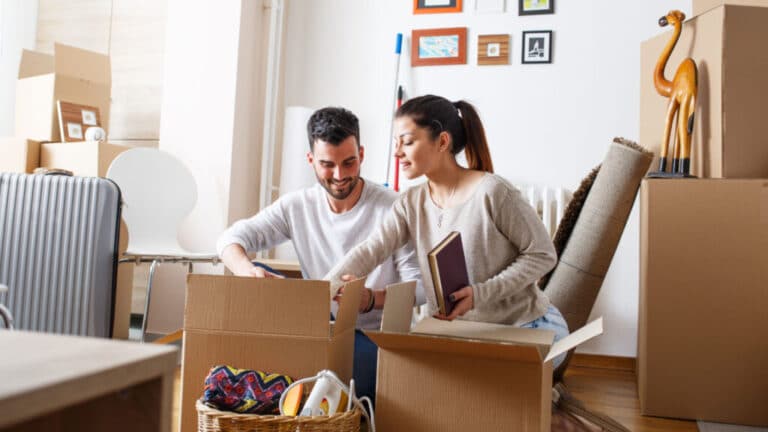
465, 299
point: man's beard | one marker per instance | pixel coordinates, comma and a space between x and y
339, 194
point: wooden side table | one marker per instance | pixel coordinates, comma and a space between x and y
68, 383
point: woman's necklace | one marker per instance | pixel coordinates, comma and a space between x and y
444, 206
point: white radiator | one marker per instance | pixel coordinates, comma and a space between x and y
549, 203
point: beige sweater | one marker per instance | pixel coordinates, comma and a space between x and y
506, 247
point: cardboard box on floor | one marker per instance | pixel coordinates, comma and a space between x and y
701, 6
462, 375
19, 155
84, 158
71, 75
730, 138
703, 326
272, 325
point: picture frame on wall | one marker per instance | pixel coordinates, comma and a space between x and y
537, 46
536, 7
75, 119
439, 46
436, 6
493, 50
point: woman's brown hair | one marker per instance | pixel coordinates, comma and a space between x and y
459, 119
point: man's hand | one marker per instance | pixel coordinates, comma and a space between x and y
257, 272
465, 299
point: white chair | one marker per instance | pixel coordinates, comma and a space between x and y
158, 192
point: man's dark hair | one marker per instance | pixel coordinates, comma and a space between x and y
332, 125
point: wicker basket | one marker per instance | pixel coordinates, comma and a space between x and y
212, 420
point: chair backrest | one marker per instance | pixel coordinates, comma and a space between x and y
158, 193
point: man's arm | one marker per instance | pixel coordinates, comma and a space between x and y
265, 230
237, 261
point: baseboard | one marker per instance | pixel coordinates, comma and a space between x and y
596, 361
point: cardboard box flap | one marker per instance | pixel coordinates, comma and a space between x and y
485, 332
34, 63
462, 347
398, 309
576, 338
82, 64
250, 305
346, 316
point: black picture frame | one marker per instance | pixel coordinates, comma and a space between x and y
527, 10
537, 47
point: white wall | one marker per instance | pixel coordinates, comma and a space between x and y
18, 26
547, 124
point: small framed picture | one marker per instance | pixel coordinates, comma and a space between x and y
493, 50
89, 117
536, 7
537, 46
440, 46
74, 119
74, 131
436, 6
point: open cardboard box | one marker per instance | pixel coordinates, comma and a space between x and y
271, 325
71, 75
83, 158
463, 375
19, 155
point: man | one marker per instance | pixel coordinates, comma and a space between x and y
324, 222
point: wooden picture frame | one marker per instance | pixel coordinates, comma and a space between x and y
436, 6
440, 46
74, 119
493, 50
537, 46
536, 7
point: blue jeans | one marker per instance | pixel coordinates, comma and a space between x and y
364, 366
552, 320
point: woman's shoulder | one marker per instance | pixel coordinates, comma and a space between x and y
497, 186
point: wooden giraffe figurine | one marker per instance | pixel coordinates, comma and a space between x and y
681, 92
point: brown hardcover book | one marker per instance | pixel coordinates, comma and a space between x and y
449, 270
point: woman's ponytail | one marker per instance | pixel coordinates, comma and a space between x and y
478, 154
459, 119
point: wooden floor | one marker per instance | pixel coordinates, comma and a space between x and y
604, 384
609, 386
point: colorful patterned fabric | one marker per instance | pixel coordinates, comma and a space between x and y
244, 391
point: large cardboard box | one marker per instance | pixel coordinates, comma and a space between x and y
84, 158
272, 325
461, 375
730, 138
19, 155
701, 6
71, 75
703, 326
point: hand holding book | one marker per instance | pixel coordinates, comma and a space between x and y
463, 300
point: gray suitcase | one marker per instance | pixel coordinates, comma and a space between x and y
58, 252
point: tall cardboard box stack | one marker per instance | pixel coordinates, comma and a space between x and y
703, 324
72, 75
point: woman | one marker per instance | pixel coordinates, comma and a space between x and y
506, 246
